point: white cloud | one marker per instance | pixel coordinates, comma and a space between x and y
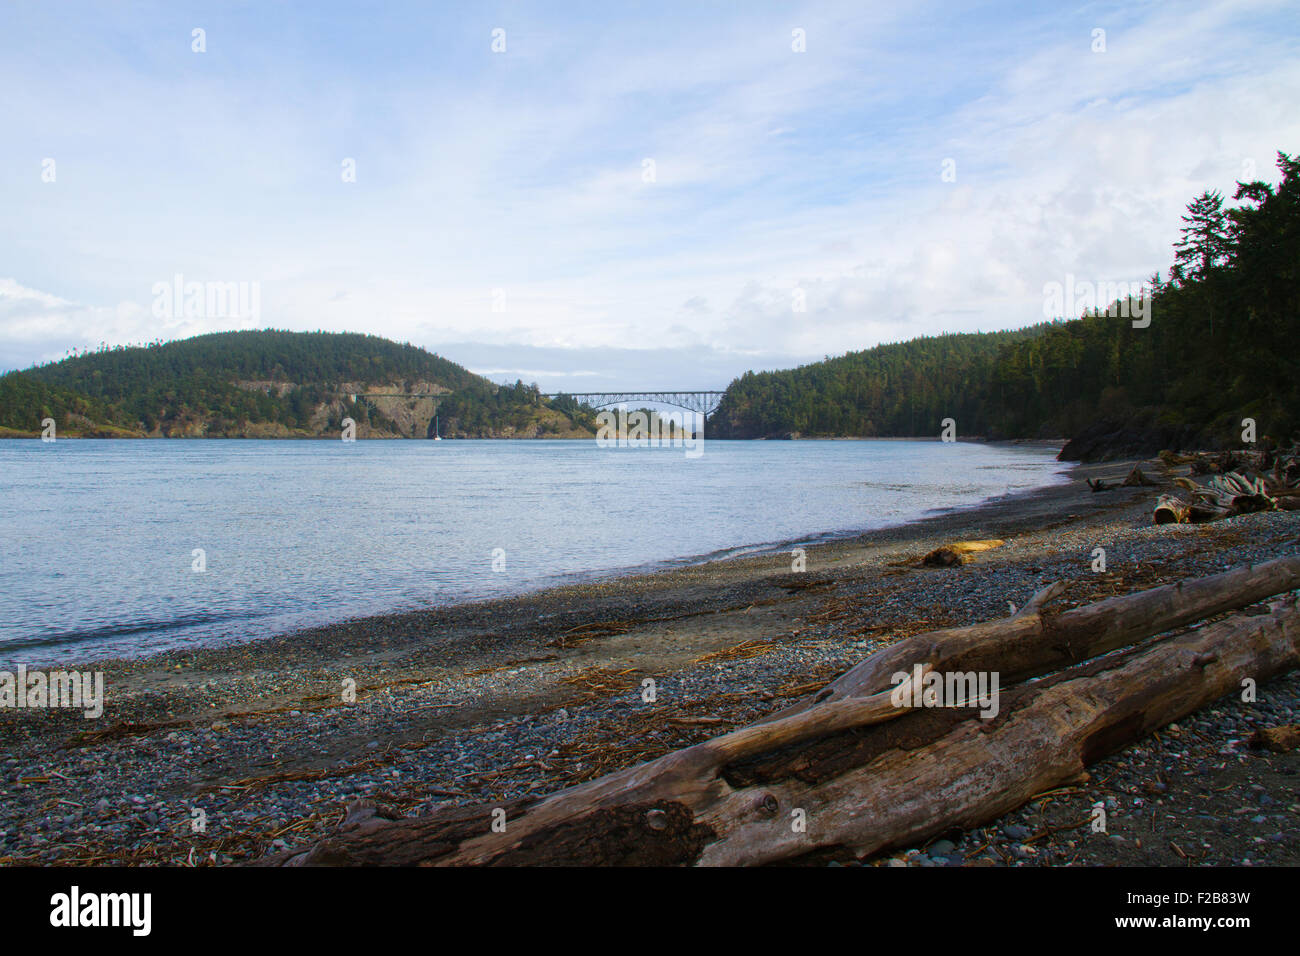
774, 171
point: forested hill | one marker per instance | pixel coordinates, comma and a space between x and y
1219, 348
270, 355
901, 389
274, 384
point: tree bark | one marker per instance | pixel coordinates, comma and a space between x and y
1032, 642
1170, 509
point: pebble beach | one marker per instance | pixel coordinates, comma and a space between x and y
221, 756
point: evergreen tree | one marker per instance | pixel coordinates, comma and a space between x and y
1205, 241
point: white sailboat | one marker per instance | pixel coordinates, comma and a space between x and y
436, 436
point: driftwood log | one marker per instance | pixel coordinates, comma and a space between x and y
1031, 643
1170, 509
1136, 478
851, 771
959, 552
1235, 487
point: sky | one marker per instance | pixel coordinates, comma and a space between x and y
598, 196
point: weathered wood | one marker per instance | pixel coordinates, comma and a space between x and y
1235, 487
1136, 478
870, 771
1047, 733
959, 552
1280, 740
889, 793
1032, 642
1170, 509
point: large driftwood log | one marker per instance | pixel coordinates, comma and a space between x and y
1047, 732
1032, 642
865, 774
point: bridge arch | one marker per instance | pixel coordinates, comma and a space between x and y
701, 401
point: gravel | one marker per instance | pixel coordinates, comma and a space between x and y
221, 755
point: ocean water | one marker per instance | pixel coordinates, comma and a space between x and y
119, 548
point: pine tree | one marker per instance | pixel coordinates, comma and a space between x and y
1205, 241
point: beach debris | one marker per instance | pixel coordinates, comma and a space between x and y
1137, 479
1170, 509
1280, 740
959, 552
870, 767
1233, 488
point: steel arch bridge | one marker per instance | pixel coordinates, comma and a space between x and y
702, 401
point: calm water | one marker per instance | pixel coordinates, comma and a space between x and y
99, 536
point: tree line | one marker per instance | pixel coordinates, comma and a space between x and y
1217, 349
228, 381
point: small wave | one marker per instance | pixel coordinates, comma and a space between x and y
125, 629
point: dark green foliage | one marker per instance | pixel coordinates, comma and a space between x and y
286, 377
583, 416
25, 402
906, 388
482, 409
1205, 242
1220, 347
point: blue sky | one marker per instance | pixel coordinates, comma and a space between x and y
501, 214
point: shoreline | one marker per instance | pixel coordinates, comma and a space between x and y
13, 434
635, 576
517, 697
